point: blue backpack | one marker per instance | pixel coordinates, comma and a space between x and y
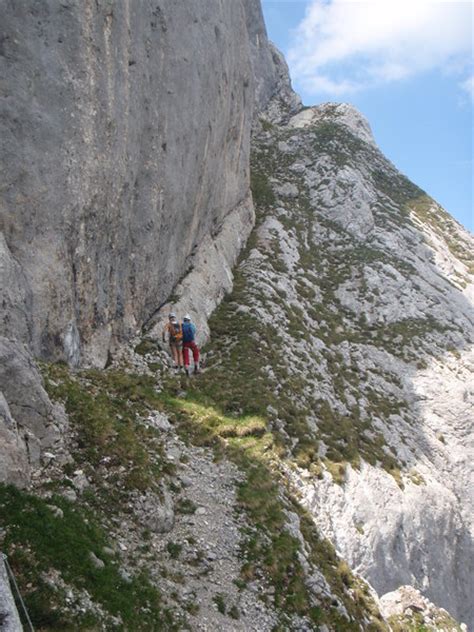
188, 332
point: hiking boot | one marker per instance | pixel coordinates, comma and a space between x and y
196, 369
186, 370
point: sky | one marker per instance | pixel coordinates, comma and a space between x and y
407, 65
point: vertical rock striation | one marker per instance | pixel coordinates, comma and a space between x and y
125, 145
125, 132
274, 96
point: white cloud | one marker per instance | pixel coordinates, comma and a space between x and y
342, 46
468, 86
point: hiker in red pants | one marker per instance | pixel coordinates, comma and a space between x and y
189, 333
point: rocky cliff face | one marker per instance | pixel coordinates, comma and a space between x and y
274, 95
9, 619
352, 316
125, 139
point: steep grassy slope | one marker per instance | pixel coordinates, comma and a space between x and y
348, 302
281, 338
87, 555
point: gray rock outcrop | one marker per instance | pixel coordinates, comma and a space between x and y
14, 466
211, 275
400, 605
417, 294
274, 95
9, 618
15, 302
340, 113
155, 511
357, 298
27, 413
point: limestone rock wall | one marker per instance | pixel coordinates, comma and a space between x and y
124, 133
211, 276
124, 144
14, 464
24, 403
274, 96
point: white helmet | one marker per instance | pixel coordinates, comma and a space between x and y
172, 315
187, 317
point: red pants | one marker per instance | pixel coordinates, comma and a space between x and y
186, 347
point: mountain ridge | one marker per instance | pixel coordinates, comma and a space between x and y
413, 326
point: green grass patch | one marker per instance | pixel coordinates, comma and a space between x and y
416, 623
261, 190
145, 347
219, 600
38, 541
266, 125
174, 549
185, 506
234, 612
104, 408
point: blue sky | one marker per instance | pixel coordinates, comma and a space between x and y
407, 65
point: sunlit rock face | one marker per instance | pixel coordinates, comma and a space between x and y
124, 140
358, 294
